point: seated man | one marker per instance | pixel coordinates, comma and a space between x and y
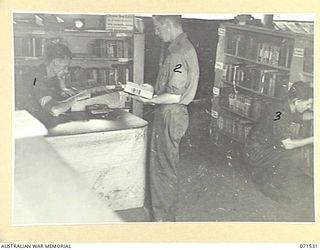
42, 90
269, 148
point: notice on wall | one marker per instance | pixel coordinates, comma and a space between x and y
219, 65
119, 22
216, 91
221, 31
298, 52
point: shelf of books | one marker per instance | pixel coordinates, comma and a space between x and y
100, 57
254, 66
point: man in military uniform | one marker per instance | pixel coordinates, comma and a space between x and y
175, 88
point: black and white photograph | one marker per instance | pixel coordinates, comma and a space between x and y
162, 118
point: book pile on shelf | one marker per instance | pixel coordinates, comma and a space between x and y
306, 152
112, 48
276, 51
299, 130
270, 82
308, 60
236, 128
119, 74
236, 44
306, 155
29, 46
245, 105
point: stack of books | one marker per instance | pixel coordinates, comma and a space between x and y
306, 155
265, 81
90, 77
237, 128
240, 103
30, 46
112, 48
236, 44
308, 60
274, 51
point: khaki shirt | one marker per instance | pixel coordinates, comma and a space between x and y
179, 74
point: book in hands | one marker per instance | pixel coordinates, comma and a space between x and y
141, 90
82, 95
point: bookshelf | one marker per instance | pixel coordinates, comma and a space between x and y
254, 66
100, 57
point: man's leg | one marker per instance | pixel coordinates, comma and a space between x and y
169, 127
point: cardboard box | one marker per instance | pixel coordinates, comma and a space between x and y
142, 90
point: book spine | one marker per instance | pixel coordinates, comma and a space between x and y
122, 52
127, 75
33, 46
237, 45
108, 49
256, 108
100, 77
116, 75
271, 85
18, 46
283, 53
271, 49
260, 52
126, 49
26, 46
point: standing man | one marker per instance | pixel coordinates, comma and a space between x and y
175, 88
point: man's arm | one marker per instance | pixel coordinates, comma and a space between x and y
307, 115
296, 143
164, 98
57, 108
62, 107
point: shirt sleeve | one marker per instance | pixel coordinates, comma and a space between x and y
43, 95
281, 125
178, 73
297, 117
272, 127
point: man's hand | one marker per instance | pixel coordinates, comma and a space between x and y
67, 92
144, 100
84, 94
149, 86
66, 104
296, 143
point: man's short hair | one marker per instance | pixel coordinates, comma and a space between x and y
174, 19
57, 50
300, 90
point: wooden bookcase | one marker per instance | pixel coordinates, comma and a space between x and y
100, 57
254, 66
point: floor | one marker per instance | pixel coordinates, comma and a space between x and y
212, 189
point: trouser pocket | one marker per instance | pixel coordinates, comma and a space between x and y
178, 124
